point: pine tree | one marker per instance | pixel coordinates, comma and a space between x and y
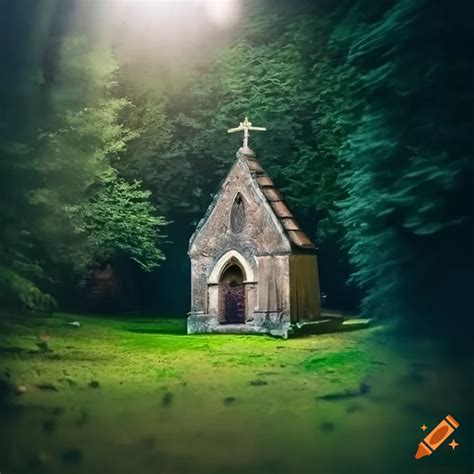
408, 175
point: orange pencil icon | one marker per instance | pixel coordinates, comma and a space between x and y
436, 437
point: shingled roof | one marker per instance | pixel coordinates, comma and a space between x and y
276, 201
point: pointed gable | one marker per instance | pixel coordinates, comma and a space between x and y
272, 224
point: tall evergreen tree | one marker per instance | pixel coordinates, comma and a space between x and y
66, 209
408, 177
88, 213
21, 275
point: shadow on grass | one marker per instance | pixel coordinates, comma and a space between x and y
176, 327
167, 330
15, 350
22, 351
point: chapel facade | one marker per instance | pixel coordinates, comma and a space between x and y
253, 270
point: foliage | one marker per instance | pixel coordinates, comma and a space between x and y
66, 207
20, 273
120, 222
276, 73
155, 156
93, 215
277, 84
280, 72
407, 211
368, 109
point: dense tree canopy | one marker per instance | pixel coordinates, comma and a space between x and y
369, 137
409, 166
73, 212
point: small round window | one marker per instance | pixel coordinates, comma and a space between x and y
237, 215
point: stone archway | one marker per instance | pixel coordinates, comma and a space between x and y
232, 295
232, 256
215, 301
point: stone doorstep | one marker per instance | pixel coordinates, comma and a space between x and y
236, 329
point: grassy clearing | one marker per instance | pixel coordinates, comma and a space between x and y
140, 396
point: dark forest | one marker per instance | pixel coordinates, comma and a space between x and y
110, 154
113, 143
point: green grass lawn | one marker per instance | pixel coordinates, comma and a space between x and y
125, 395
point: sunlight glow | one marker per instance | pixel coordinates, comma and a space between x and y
222, 12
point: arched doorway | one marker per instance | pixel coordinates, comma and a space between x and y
232, 295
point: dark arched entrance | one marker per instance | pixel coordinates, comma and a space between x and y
232, 296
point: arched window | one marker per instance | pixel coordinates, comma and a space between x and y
237, 215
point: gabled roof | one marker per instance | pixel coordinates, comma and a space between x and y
276, 201
274, 198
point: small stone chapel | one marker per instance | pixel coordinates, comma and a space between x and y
253, 270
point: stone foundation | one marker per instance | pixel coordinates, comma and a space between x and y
262, 323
